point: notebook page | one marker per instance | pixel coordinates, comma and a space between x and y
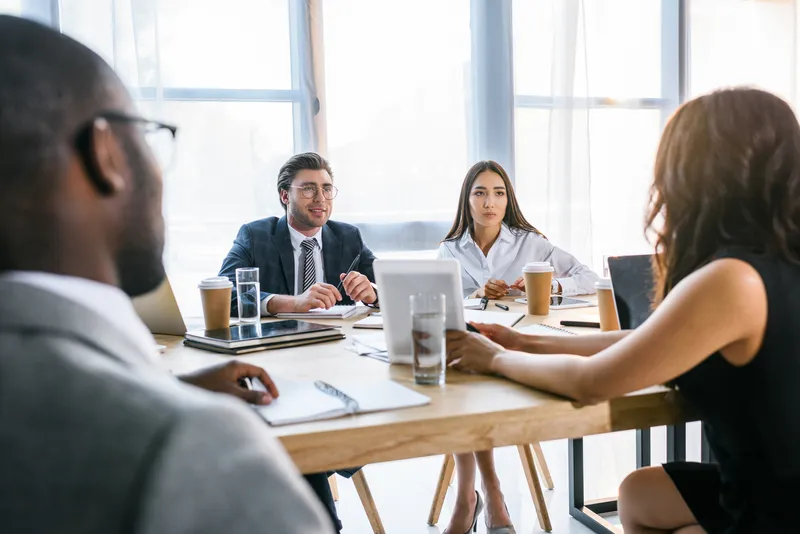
381, 395
300, 402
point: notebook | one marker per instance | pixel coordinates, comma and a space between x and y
373, 322
272, 346
260, 334
337, 312
545, 330
504, 318
508, 319
301, 402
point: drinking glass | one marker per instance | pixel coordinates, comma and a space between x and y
428, 336
248, 294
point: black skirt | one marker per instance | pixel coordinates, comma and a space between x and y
700, 485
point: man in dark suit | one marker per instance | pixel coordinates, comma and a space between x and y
303, 256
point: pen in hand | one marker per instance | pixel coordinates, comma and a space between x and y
349, 270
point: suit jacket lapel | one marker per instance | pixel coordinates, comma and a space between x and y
331, 255
283, 243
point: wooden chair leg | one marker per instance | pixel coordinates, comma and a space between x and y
366, 501
541, 463
334, 487
528, 465
445, 479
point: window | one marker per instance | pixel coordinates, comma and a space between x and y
223, 72
743, 43
589, 112
11, 7
397, 78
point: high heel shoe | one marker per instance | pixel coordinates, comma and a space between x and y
508, 529
475, 514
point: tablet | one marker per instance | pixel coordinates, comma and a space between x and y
397, 280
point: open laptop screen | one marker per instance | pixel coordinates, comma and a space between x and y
632, 279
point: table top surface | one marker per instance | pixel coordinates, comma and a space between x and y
470, 412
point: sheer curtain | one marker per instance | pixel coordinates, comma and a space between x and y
231, 76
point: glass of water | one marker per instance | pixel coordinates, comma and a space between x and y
428, 336
248, 294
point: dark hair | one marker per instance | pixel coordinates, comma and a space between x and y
513, 216
727, 173
310, 161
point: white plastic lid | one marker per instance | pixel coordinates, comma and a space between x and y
215, 282
603, 283
538, 267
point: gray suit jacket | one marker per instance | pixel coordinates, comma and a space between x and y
93, 438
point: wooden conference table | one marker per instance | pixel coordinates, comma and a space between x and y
469, 413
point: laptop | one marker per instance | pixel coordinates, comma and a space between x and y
398, 280
632, 279
159, 311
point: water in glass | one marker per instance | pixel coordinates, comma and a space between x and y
248, 294
427, 332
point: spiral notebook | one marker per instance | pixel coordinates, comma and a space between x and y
301, 402
545, 330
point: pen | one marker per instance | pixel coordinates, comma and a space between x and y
349, 270
584, 324
501, 306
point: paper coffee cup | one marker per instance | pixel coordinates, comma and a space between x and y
606, 305
215, 292
538, 278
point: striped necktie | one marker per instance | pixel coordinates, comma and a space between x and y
309, 269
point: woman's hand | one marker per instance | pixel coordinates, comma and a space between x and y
470, 352
519, 284
495, 289
507, 337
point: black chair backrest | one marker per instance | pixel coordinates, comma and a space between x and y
632, 278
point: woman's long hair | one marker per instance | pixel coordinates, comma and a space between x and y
727, 173
513, 217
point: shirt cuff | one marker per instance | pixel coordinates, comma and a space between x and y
568, 286
264, 302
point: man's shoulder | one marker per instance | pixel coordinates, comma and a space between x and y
343, 229
268, 224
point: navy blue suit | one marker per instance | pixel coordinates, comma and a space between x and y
266, 244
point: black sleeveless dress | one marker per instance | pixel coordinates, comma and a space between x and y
751, 416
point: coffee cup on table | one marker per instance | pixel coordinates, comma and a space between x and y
606, 305
215, 292
538, 278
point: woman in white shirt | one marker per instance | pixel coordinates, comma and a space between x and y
492, 241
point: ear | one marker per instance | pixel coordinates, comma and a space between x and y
285, 197
105, 158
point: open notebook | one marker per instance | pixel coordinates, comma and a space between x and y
300, 402
545, 330
337, 312
503, 318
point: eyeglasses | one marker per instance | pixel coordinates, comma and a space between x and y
160, 137
310, 191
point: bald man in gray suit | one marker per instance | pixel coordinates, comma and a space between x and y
93, 436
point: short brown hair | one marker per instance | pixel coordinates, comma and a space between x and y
310, 161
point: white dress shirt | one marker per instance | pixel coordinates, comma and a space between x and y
509, 254
297, 239
108, 301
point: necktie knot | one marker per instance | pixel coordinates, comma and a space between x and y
309, 244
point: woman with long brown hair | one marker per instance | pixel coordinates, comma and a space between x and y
725, 209
493, 241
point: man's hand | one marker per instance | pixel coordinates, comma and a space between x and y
224, 378
358, 287
495, 289
317, 296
